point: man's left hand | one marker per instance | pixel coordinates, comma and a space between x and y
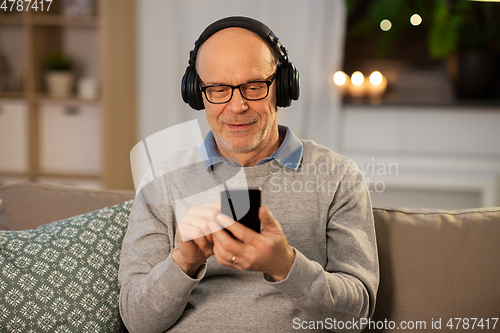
267, 252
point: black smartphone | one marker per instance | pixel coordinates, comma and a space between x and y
242, 206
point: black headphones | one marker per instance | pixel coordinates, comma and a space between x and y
287, 76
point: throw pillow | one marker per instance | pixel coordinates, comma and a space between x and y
63, 276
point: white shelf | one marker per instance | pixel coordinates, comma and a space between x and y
92, 144
442, 130
434, 157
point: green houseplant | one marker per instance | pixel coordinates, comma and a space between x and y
466, 33
59, 76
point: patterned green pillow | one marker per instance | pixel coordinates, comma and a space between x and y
63, 276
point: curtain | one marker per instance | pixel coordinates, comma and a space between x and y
312, 31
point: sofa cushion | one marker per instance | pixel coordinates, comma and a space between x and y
29, 205
63, 276
438, 265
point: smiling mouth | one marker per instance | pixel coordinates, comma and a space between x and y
238, 127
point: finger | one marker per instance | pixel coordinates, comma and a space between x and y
205, 211
223, 256
197, 222
240, 231
204, 245
220, 253
209, 238
219, 234
188, 232
224, 240
224, 220
214, 226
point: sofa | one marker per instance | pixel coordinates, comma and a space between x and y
439, 270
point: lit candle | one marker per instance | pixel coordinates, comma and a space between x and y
378, 84
341, 81
357, 86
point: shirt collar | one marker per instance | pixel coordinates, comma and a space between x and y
289, 154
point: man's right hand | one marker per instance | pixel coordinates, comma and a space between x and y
195, 241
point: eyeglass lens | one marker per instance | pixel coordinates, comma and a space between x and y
250, 91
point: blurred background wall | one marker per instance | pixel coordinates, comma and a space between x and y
425, 129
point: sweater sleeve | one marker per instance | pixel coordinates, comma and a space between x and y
344, 290
154, 290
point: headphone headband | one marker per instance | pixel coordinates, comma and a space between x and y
240, 22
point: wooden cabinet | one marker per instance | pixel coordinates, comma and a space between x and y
68, 140
70, 137
14, 148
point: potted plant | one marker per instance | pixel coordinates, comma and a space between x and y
59, 76
465, 33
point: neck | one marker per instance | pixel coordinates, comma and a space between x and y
253, 157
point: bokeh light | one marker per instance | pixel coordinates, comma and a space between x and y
357, 78
385, 25
415, 19
339, 78
376, 78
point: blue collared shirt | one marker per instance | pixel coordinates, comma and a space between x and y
289, 154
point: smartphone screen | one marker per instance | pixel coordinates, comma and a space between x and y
242, 206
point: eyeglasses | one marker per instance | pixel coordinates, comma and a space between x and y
251, 91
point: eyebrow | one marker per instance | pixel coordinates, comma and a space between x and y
227, 84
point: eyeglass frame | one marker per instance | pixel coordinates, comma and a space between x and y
267, 82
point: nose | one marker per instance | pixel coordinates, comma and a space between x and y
237, 103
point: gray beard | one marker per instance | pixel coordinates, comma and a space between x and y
241, 150
256, 139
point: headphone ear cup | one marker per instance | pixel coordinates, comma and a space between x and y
282, 99
190, 89
184, 86
287, 85
195, 91
294, 83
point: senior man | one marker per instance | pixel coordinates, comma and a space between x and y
313, 265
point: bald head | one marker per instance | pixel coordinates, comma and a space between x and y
233, 50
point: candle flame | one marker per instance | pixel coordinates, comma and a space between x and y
357, 78
376, 78
339, 78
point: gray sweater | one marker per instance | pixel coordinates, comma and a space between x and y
325, 212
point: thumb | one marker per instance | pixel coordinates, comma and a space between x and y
267, 219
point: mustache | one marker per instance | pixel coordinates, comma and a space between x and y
238, 120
